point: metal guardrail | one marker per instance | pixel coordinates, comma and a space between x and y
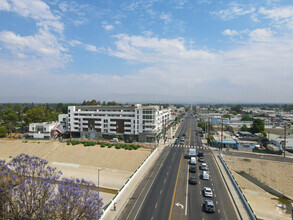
242, 197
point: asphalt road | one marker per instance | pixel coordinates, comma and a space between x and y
165, 192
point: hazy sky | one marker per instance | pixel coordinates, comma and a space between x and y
146, 50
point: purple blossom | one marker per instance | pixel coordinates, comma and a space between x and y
30, 189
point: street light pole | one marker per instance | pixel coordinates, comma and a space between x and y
99, 181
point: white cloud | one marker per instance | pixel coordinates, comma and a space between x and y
166, 17
4, 5
281, 15
154, 50
235, 10
91, 48
35, 9
108, 27
229, 32
261, 34
74, 43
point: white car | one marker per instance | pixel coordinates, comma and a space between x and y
207, 192
204, 166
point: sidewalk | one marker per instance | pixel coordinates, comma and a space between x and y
122, 199
233, 194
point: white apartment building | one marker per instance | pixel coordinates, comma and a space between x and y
129, 122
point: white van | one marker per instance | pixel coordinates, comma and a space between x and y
205, 175
192, 161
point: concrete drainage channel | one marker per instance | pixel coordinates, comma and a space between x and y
242, 197
107, 208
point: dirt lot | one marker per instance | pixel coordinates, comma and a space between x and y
81, 162
277, 175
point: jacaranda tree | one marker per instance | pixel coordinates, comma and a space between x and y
30, 189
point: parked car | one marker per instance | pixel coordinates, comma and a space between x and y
209, 206
207, 192
192, 180
201, 159
114, 140
192, 169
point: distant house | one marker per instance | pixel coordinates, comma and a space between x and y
246, 145
233, 143
228, 141
45, 130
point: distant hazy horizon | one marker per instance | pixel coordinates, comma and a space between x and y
180, 51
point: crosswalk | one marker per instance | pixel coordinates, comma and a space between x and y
186, 146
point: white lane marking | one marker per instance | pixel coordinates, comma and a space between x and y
161, 192
167, 173
169, 167
138, 210
219, 211
165, 180
215, 196
156, 205
199, 182
152, 218
200, 192
173, 158
212, 184
217, 202
186, 195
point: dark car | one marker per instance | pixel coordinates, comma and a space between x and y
192, 180
192, 169
200, 154
201, 159
209, 206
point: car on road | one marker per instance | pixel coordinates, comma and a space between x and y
192, 161
209, 206
200, 154
207, 192
205, 175
192, 169
201, 159
204, 166
192, 180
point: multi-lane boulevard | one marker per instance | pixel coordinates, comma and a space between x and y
165, 192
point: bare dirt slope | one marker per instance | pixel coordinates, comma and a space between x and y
89, 156
277, 175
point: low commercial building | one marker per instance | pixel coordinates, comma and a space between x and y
45, 130
129, 122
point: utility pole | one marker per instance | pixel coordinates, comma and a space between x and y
285, 136
221, 133
208, 141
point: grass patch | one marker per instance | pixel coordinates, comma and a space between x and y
246, 160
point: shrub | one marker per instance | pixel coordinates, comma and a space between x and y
102, 145
126, 147
110, 145
68, 142
117, 146
130, 148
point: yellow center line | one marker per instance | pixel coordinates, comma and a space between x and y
175, 189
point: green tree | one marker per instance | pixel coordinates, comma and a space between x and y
237, 108
3, 131
258, 126
40, 114
246, 118
244, 128
227, 116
